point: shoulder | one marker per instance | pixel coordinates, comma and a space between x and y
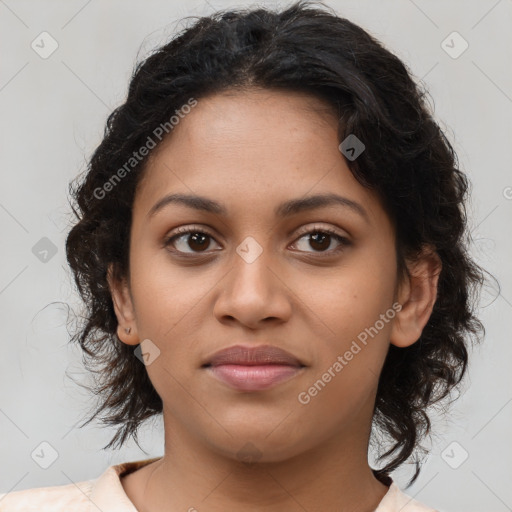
65, 498
103, 493
395, 500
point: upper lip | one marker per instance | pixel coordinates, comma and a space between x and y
252, 356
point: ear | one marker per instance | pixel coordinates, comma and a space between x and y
417, 293
123, 306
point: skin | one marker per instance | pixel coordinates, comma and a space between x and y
251, 151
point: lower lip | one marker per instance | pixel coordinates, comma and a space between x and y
253, 378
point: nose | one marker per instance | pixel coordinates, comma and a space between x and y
254, 291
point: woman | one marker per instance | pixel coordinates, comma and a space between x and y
271, 246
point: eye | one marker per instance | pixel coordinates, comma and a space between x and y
320, 239
195, 239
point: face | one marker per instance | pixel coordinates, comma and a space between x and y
317, 282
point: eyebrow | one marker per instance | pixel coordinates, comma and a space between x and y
285, 209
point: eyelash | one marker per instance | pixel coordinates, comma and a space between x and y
344, 242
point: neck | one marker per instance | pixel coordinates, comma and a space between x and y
191, 476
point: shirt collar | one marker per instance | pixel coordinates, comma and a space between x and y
107, 493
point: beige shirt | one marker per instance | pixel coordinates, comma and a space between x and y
106, 494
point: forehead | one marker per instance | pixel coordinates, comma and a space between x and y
257, 123
255, 147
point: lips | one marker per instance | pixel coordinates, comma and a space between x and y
252, 369
253, 356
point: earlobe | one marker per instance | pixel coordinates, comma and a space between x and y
123, 307
417, 295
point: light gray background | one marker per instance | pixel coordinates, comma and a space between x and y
52, 117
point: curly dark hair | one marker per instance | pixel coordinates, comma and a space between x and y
408, 161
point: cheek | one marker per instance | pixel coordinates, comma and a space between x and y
357, 309
354, 305
353, 295
169, 302
162, 295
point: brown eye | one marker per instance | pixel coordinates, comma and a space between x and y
318, 241
189, 240
198, 241
321, 240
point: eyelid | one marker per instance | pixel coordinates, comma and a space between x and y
186, 230
323, 228
304, 230
192, 227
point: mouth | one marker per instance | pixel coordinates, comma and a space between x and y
253, 368
253, 356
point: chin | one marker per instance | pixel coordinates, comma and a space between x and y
261, 442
